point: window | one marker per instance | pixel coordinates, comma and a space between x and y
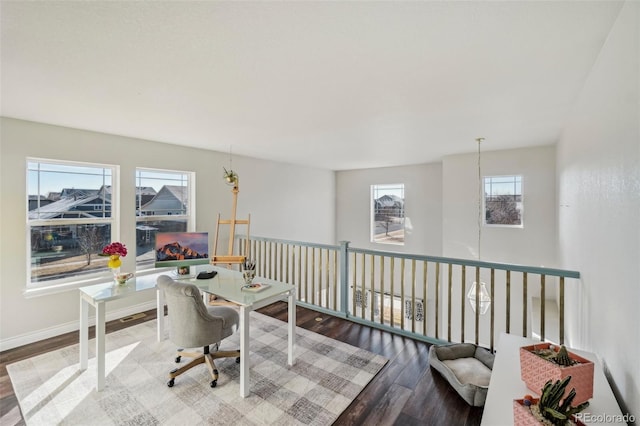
387, 214
71, 216
503, 200
162, 205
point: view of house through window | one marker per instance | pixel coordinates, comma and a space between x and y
162, 205
70, 218
503, 200
387, 214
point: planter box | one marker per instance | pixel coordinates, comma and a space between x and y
535, 371
522, 415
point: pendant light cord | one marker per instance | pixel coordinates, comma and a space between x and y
479, 202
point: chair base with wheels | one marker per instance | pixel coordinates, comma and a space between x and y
198, 358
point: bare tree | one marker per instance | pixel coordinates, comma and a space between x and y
502, 210
90, 242
386, 219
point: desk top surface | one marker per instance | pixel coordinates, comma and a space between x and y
109, 290
227, 284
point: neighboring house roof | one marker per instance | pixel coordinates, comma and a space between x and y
389, 200
180, 192
144, 194
83, 193
38, 200
169, 198
62, 206
145, 190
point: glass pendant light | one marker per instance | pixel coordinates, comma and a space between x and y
484, 300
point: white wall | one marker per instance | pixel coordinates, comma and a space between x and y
266, 191
599, 213
423, 204
533, 244
285, 201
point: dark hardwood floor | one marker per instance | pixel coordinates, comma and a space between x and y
405, 392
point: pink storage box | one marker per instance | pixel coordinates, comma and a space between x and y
535, 371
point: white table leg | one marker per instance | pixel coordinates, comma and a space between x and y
100, 344
84, 333
160, 314
292, 326
244, 351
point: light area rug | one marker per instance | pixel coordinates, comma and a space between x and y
325, 379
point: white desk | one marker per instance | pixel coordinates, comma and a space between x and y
97, 296
227, 284
506, 385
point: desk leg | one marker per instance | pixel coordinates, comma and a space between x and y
84, 333
244, 351
160, 314
100, 344
292, 326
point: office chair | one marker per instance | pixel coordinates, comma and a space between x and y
193, 324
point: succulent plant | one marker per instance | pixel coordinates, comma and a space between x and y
230, 176
559, 357
562, 357
550, 406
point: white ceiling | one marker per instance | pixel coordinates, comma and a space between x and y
336, 85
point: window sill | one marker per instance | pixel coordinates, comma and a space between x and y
31, 292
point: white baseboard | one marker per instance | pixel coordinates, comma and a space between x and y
36, 336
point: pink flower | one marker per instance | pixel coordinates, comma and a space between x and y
114, 248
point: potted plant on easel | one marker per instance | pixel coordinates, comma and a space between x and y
230, 176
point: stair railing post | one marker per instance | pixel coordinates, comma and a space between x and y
344, 276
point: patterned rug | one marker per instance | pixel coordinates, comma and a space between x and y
326, 377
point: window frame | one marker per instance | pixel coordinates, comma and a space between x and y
56, 284
376, 188
190, 207
520, 177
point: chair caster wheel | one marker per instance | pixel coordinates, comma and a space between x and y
178, 358
214, 383
171, 382
238, 360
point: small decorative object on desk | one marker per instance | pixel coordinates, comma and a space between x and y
115, 251
248, 271
183, 270
122, 279
543, 361
254, 288
548, 409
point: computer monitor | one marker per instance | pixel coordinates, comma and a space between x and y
182, 250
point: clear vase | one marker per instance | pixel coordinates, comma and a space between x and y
248, 275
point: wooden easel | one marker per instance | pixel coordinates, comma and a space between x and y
230, 258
